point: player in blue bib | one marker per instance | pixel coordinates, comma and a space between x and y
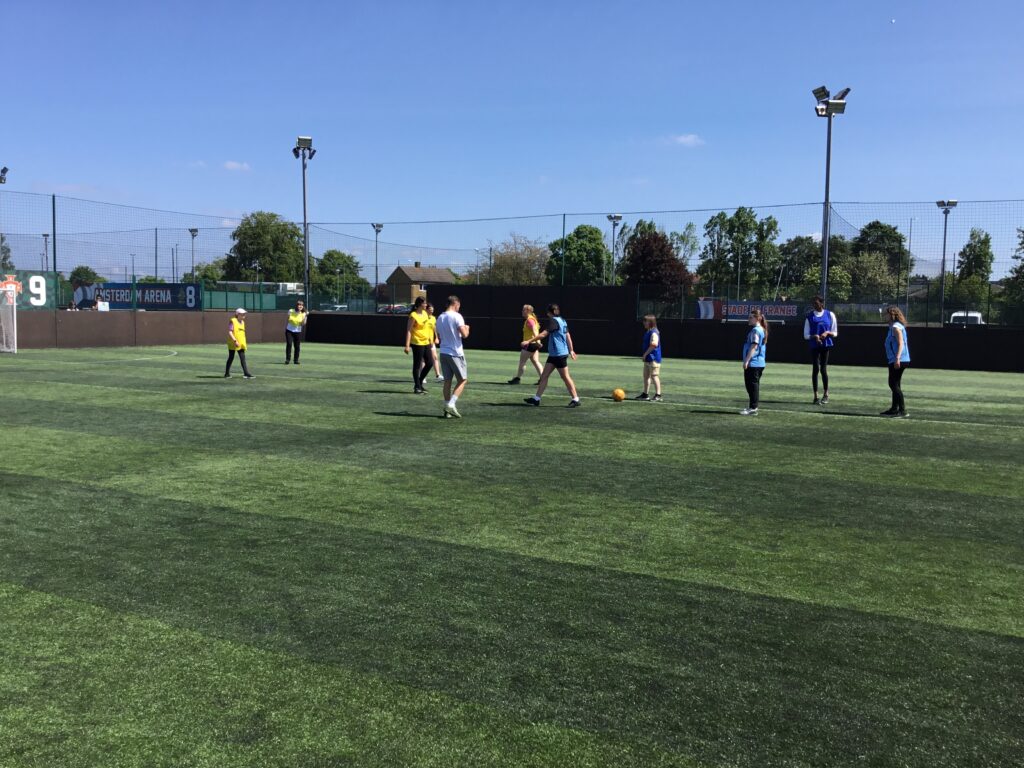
652, 360
560, 350
754, 348
820, 331
897, 354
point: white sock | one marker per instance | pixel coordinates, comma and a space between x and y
451, 402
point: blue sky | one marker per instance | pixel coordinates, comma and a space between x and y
444, 110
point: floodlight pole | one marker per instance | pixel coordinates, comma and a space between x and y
46, 251
614, 218
305, 233
376, 260
304, 149
946, 206
194, 231
826, 217
828, 107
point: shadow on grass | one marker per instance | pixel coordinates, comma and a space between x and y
408, 415
711, 673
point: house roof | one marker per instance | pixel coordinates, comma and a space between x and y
441, 275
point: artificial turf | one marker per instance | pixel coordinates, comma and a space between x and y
313, 568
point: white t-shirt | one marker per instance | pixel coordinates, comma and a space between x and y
448, 325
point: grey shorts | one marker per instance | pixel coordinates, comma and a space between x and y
453, 367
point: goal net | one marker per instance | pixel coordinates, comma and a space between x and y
8, 319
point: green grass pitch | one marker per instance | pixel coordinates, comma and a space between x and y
313, 568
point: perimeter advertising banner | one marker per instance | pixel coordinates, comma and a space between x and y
32, 290
148, 296
773, 310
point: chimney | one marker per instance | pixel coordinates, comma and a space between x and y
416, 264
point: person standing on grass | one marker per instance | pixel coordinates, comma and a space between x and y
236, 343
560, 349
438, 378
451, 331
897, 353
293, 331
820, 331
531, 329
652, 360
754, 347
419, 335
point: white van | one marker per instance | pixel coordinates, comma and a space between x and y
966, 318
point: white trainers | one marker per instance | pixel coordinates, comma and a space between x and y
439, 380
451, 412
748, 412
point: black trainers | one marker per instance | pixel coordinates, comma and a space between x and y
248, 376
890, 412
642, 396
902, 415
227, 375
296, 362
574, 404
816, 402
417, 391
531, 401
514, 380
824, 400
657, 398
287, 362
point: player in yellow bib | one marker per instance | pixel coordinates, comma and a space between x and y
236, 343
419, 335
531, 328
293, 331
438, 378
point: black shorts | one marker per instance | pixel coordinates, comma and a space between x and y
533, 346
558, 362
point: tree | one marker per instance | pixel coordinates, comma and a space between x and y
265, 240
150, 279
840, 282
878, 262
585, 255
976, 257
335, 268
740, 248
713, 271
686, 244
83, 275
798, 254
211, 272
517, 261
650, 259
1013, 285
6, 262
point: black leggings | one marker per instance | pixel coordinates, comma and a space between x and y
895, 377
231, 359
752, 379
422, 363
291, 337
819, 361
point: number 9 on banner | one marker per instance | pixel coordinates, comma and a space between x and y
37, 290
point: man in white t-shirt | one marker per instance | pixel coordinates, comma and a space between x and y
451, 330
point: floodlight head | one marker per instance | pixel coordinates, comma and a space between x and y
193, 231
311, 153
820, 109
835, 106
946, 205
304, 142
614, 218
3, 175
820, 93
295, 151
842, 94
377, 228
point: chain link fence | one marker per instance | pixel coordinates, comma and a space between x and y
964, 266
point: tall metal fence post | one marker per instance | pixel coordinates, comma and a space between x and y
156, 252
53, 237
563, 249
